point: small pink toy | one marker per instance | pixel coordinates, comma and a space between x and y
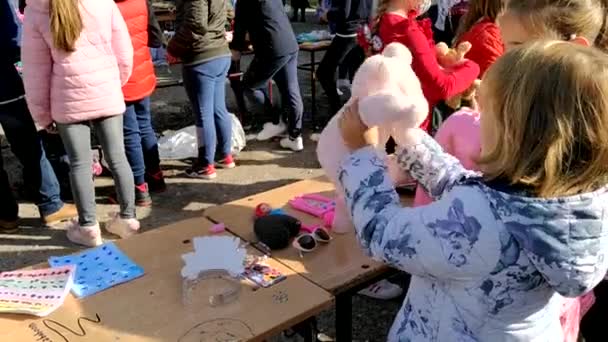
316, 205
217, 228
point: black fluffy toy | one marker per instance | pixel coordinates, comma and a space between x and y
275, 231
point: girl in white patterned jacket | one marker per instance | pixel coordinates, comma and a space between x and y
491, 256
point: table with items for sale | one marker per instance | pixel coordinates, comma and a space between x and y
157, 304
340, 266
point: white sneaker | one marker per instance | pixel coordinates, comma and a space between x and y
86, 236
271, 130
383, 290
123, 227
343, 84
295, 145
315, 137
340, 93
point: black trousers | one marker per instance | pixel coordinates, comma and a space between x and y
337, 53
237, 87
284, 71
593, 326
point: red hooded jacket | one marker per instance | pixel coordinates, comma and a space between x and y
486, 44
437, 84
143, 80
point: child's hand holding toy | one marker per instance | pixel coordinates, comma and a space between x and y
355, 133
448, 58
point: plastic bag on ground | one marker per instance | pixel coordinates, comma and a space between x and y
182, 144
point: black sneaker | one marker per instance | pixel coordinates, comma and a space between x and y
156, 182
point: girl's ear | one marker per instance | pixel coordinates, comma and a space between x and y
581, 41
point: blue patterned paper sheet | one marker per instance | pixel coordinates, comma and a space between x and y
99, 269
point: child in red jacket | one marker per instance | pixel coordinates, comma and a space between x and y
141, 145
396, 22
479, 28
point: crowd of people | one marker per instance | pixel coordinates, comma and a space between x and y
511, 162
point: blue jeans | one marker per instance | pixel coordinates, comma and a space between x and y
205, 85
141, 145
26, 144
284, 71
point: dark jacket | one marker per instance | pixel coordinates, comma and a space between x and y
348, 15
11, 85
269, 29
200, 33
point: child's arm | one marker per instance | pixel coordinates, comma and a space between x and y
443, 84
241, 20
156, 38
442, 240
194, 22
424, 159
38, 66
444, 138
122, 45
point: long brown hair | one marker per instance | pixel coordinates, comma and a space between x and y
565, 18
476, 10
547, 112
66, 23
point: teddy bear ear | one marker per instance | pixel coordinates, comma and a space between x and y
398, 50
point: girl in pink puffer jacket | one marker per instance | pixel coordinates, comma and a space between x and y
77, 55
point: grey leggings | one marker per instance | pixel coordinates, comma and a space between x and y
77, 140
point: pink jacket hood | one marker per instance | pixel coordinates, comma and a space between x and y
82, 85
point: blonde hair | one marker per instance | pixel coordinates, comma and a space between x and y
548, 104
383, 7
66, 23
564, 19
476, 10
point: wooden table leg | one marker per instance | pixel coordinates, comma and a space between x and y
344, 317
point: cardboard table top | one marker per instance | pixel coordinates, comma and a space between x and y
336, 267
151, 308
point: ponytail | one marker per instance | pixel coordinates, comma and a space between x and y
66, 24
601, 41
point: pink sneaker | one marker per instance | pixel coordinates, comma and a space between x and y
123, 227
86, 236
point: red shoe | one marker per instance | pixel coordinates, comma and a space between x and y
156, 181
142, 196
226, 163
202, 172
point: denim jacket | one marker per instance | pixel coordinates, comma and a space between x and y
486, 265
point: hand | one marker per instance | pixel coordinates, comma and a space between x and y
472, 95
472, 91
228, 36
236, 55
323, 17
355, 133
52, 129
448, 58
171, 59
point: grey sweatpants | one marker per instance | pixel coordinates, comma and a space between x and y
77, 140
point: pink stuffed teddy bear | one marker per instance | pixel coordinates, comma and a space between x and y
390, 97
